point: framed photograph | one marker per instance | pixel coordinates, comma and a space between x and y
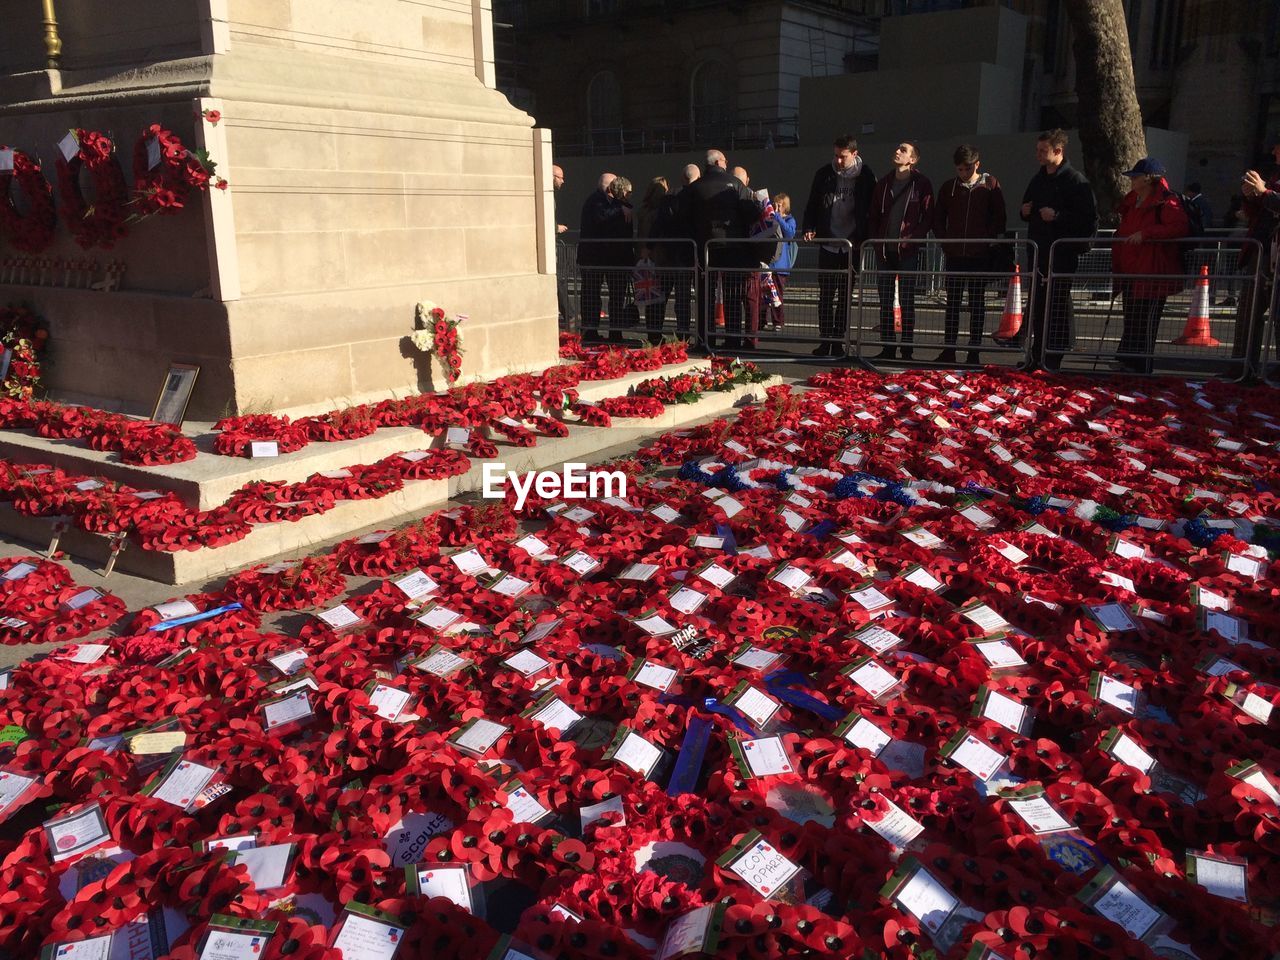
175, 394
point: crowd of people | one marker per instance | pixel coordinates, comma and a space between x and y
643, 255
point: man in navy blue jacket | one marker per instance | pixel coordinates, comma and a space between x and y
1058, 205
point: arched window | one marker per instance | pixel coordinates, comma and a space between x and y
604, 101
711, 102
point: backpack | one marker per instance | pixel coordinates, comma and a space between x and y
1195, 218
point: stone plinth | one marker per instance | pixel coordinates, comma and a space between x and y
209, 480
372, 165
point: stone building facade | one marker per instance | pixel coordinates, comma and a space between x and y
626, 76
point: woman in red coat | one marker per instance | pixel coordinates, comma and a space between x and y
1149, 213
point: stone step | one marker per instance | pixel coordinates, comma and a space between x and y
208, 480
289, 539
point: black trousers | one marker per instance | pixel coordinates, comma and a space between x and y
592, 279
1249, 311
833, 295
889, 264
1138, 337
958, 287
675, 285
1058, 335
733, 287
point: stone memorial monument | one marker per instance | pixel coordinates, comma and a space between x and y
370, 165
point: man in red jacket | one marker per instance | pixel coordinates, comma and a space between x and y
901, 215
1150, 214
969, 211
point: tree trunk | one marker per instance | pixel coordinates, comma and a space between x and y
1110, 121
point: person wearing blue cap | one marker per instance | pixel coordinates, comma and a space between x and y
1150, 215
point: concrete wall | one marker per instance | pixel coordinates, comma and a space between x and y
991, 34
437, 35
940, 75
945, 100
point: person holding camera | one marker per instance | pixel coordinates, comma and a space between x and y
1261, 207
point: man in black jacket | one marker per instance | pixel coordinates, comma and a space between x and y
681, 258
720, 207
1058, 205
604, 217
839, 201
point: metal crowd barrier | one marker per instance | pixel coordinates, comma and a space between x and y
897, 313
764, 310
639, 288
1268, 365
1144, 323
833, 304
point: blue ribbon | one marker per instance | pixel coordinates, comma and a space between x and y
783, 683
684, 778
196, 617
821, 529
730, 541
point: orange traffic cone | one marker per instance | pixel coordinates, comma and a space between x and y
719, 302
897, 307
1011, 321
1196, 332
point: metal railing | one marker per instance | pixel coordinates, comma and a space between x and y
764, 309
1147, 322
1267, 367
831, 306
649, 283
919, 297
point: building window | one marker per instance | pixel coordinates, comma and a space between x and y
604, 101
711, 102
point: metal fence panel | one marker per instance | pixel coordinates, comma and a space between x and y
629, 287
1268, 368
1144, 323
923, 296
773, 311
